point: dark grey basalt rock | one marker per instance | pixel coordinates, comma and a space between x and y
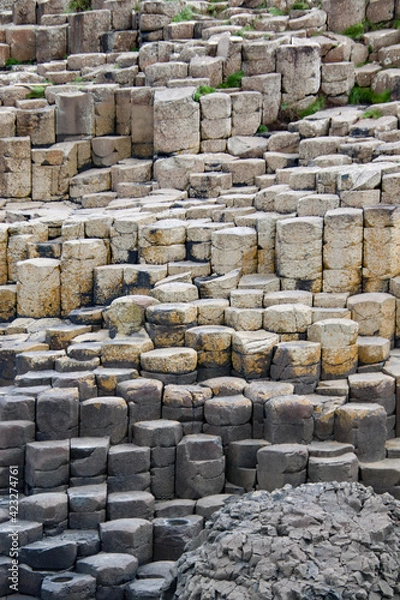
331, 541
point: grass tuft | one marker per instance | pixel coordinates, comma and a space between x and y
355, 32
372, 113
233, 81
36, 92
276, 12
186, 14
10, 62
300, 5
202, 90
318, 104
364, 95
262, 129
79, 5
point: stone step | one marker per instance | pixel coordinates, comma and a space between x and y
383, 476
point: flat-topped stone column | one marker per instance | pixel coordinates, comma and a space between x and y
339, 351
176, 121
343, 250
15, 167
74, 115
299, 253
38, 288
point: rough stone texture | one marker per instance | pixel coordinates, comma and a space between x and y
276, 539
176, 122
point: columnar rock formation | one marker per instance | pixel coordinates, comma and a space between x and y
199, 272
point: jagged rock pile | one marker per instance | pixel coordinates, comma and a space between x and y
331, 541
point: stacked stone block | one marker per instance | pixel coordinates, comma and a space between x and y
339, 352
185, 403
162, 437
379, 389
213, 345
200, 466
298, 253
88, 460
381, 229
128, 468
297, 363
216, 123
342, 252
228, 417
47, 466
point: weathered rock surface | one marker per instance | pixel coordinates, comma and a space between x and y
289, 544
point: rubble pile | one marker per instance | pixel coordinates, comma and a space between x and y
316, 541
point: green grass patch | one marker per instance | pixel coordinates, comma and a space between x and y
10, 62
355, 32
262, 129
233, 81
36, 92
364, 95
202, 90
186, 14
372, 113
244, 29
318, 104
276, 12
300, 5
79, 5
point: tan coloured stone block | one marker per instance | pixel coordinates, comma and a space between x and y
375, 314
24, 12
372, 349
78, 260
124, 352
7, 121
8, 302
175, 292
142, 100
234, 247
334, 333
169, 360
126, 314
299, 65
107, 151
90, 182
74, 115
22, 42
337, 363
341, 14
38, 288
211, 311
342, 280
252, 353
38, 124
215, 106
176, 121
15, 167
207, 66
287, 318
85, 30
299, 248
244, 319
3, 253
51, 43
